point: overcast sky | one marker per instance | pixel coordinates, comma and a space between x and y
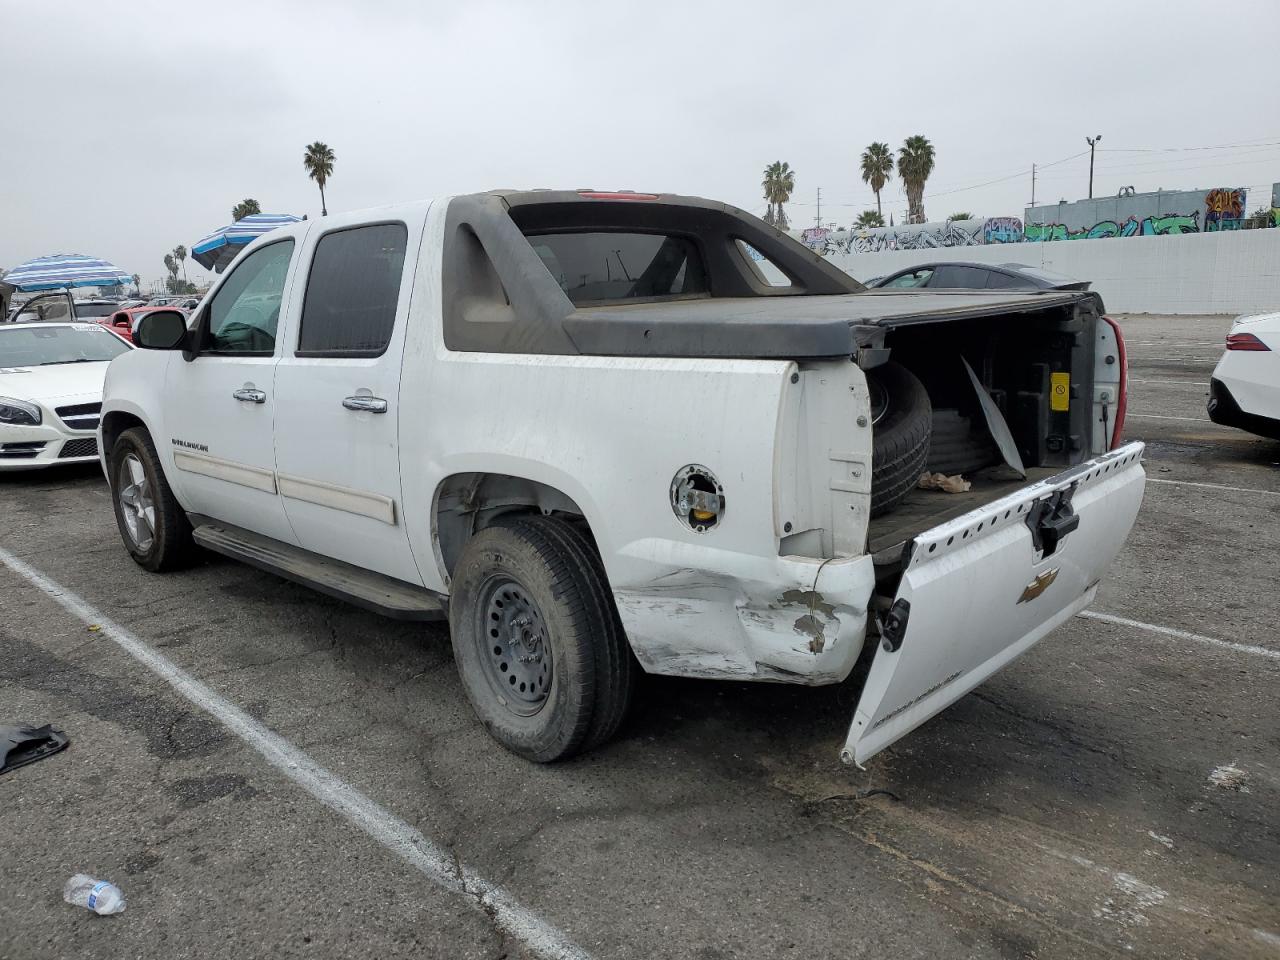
132, 127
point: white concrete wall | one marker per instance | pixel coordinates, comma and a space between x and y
1233, 272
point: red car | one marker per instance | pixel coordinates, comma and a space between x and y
124, 322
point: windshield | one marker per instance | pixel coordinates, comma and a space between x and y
41, 346
95, 309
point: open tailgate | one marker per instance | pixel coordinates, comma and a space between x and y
980, 590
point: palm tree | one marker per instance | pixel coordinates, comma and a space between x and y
180, 255
962, 215
915, 163
244, 208
869, 218
318, 161
137, 285
779, 181
877, 170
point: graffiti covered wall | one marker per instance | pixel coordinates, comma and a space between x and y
915, 236
1139, 215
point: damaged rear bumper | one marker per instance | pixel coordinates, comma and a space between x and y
717, 615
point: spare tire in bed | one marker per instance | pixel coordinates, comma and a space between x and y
960, 444
901, 424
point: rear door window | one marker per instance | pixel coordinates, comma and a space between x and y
603, 267
352, 292
965, 278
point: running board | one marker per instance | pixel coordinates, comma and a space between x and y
364, 588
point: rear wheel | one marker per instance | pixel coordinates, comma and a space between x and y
537, 640
152, 523
901, 418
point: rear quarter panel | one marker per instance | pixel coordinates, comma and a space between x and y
609, 432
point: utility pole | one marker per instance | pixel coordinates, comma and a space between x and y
1091, 141
1033, 185
818, 219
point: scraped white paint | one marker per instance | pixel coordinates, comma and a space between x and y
1158, 838
1230, 777
1128, 897
1157, 416
1131, 897
1190, 383
1216, 486
1180, 634
1267, 937
434, 862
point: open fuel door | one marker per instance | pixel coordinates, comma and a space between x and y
980, 590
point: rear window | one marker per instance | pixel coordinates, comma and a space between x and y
604, 267
1004, 281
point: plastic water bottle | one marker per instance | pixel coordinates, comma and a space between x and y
98, 895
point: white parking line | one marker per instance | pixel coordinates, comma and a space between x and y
1215, 486
1192, 383
1133, 358
1180, 634
433, 861
1157, 416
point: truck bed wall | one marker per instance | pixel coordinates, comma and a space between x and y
1014, 356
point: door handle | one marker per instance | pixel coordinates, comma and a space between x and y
249, 395
365, 404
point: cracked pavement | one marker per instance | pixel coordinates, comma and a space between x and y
1064, 809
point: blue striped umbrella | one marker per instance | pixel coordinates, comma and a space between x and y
65, 270
216, 251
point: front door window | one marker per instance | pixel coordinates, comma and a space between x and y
246, 309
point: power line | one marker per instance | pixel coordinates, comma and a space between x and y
1218, 146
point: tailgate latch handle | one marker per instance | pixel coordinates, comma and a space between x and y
893, 625
1051, 519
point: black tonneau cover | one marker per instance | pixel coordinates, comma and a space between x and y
784, 327
498, 296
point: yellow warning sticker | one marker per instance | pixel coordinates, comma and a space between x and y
1059, 391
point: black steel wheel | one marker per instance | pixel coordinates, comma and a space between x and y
537, 639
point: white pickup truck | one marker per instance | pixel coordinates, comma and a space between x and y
610, 432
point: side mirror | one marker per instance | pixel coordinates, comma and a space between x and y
161, 330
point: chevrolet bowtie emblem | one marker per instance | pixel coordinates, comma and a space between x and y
1039, 585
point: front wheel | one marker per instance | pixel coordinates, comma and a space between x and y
537, 639
152, 523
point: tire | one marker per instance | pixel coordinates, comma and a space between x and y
152, 523
960, 444
900, 435
530, 604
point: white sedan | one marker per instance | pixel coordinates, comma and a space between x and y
1244, 390
51, 391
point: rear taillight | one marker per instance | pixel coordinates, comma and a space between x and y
1122, 402
1245, 341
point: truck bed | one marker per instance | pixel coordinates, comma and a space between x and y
923, 509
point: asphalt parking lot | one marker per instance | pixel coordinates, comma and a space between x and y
1113, 793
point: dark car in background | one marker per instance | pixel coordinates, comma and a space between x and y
978, 276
